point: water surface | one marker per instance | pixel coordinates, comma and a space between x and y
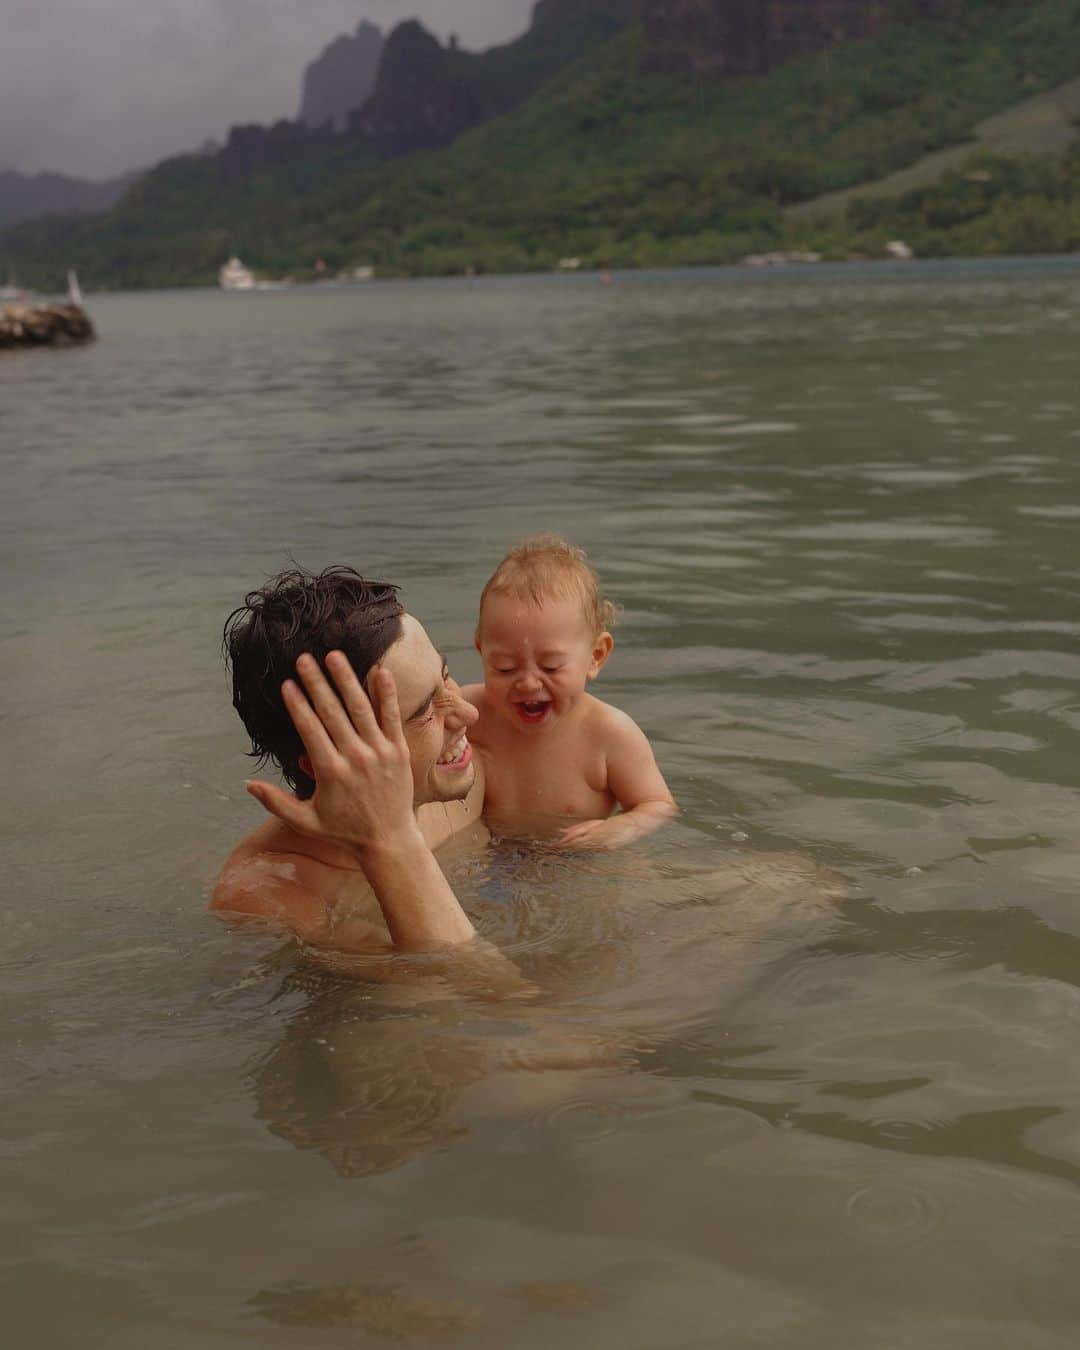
839, 509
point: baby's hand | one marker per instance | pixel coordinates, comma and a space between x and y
598, 834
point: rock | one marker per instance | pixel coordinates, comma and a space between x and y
50, 325
426, 95
341, 78
751, 37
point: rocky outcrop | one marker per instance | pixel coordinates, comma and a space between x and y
750, 37
341, 78
44, 326
426, 95
601, 18
796, 26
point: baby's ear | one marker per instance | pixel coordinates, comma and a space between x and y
603, 644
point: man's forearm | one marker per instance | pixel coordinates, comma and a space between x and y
417, 902
423, 913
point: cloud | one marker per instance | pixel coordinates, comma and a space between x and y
96, 87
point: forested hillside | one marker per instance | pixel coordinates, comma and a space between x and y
653, 140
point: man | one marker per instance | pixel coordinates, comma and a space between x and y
381, 778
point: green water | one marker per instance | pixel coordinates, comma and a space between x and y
839, 509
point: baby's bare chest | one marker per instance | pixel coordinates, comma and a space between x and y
556, 780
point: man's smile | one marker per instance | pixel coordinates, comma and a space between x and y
458, 756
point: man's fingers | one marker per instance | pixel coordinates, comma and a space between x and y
356, 703
329, 708
309, 726
384, 687
282, 804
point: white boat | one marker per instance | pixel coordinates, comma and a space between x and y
234, 276
74, 293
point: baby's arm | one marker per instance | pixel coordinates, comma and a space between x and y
637, 785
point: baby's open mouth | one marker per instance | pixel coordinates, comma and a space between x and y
534, 711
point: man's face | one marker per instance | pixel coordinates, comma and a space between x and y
434, 715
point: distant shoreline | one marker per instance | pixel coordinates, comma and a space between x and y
1017, 264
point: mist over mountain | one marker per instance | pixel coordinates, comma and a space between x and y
341, 78
23, 196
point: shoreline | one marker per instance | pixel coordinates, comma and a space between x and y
1006, 264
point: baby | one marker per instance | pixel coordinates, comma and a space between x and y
549, 748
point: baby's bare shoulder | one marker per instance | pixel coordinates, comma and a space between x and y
611, 727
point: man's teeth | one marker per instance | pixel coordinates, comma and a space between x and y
455, 752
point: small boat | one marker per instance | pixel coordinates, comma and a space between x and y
74, 293
234, 276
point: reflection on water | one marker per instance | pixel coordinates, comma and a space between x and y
371, 1066
795, 1071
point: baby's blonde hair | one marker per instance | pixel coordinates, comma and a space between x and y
546, 566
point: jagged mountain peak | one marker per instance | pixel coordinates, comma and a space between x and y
341, 77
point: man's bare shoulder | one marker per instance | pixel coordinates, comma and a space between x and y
277, 874
315, 888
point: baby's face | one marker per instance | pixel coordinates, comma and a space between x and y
537, 658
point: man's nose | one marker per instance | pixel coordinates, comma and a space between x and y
461, 712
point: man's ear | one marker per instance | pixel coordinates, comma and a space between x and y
602, 649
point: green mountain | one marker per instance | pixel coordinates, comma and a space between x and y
680, 132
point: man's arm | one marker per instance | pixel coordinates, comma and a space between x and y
637, 785
363, 799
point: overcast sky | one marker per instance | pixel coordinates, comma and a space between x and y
95, 87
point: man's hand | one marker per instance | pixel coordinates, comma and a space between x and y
360, 762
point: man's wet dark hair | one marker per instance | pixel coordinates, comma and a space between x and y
295, 612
